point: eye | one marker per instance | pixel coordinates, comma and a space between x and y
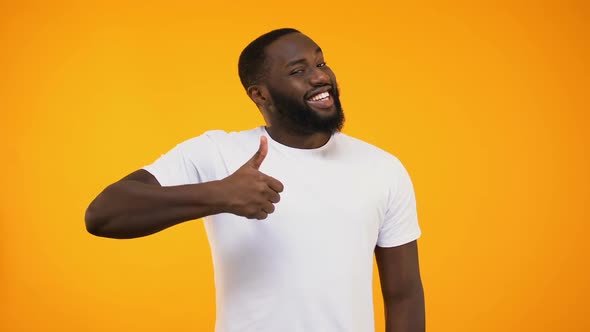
296, 71
322, 64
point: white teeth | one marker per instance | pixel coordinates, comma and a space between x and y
319, 96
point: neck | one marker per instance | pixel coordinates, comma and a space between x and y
298, 140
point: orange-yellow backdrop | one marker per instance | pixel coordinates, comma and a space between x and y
486, 105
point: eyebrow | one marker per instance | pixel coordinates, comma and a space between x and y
298, 61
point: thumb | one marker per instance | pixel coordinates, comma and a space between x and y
259, 156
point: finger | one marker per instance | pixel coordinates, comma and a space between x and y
274, 184
273, 196
259, 156
261, 215
268, 207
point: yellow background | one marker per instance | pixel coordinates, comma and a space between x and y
485, 104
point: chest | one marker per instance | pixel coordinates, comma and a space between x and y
327, 206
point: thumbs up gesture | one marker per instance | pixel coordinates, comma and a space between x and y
249, 192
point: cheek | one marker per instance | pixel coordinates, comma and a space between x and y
332, 75
293, 88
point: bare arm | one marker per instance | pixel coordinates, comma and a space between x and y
401, 285
137, 205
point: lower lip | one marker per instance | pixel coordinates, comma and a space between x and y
324, 104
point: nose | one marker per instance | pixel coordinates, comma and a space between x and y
319, 77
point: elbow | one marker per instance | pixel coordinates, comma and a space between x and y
98, 215
101, 225
94, 221
91, 222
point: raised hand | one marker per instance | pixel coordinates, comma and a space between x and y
251, 193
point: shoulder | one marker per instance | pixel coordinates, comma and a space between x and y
373, 161
220, 138
367, 151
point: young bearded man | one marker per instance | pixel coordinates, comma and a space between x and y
292, 226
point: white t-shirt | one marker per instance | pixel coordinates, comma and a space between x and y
309, 265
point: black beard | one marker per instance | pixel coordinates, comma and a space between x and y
298, 117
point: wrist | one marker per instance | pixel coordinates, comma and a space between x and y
216, 197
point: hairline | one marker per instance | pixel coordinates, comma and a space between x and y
265, 68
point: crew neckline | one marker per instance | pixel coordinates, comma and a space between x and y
299, 151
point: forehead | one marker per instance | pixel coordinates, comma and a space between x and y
290, 47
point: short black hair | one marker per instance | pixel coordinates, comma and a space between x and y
253, 57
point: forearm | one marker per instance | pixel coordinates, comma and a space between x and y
405, 313
129, 209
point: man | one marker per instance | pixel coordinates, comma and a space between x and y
323, 203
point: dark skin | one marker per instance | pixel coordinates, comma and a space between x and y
296, 69
137, 205
401, 286
399, 271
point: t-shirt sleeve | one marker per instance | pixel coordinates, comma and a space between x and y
187, 163
400, 224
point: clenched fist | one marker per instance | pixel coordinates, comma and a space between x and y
251, 193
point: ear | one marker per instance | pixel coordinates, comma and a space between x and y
259, 95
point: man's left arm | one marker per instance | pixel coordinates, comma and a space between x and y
401, 285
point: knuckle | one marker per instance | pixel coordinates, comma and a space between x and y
251, 213
261, 187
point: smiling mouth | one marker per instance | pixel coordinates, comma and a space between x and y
321, 100
320, 96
